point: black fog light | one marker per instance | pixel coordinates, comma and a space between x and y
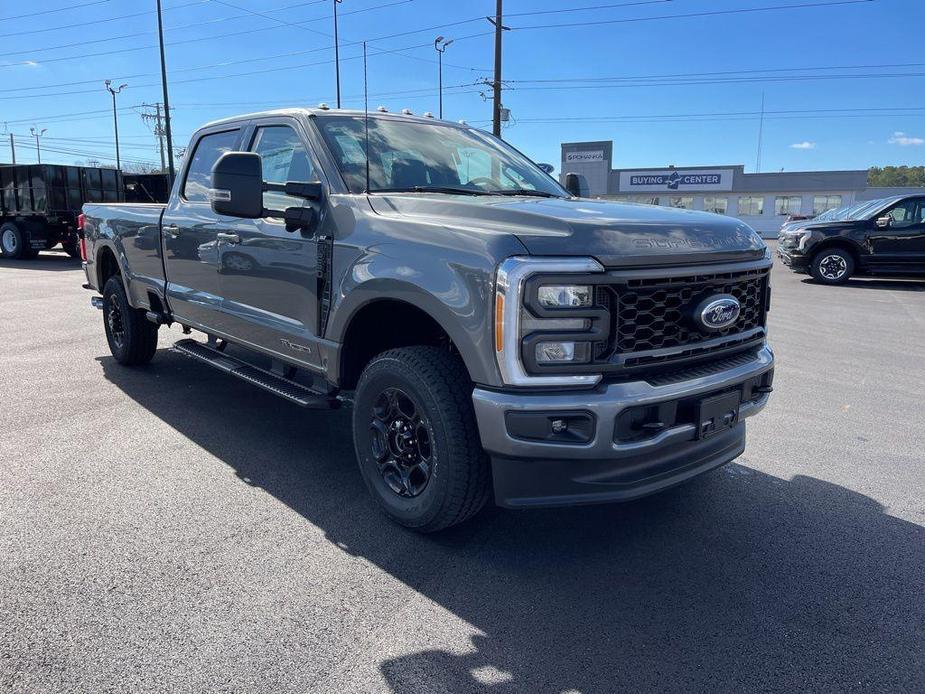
551, 427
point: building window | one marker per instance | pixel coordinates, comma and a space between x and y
787, 204
751, 205
821, 203
715, 205
683, 202
643, 199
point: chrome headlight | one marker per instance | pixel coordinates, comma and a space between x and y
513, 321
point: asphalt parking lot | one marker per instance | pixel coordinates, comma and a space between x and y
170, 528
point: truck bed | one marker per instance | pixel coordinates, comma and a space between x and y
133, 232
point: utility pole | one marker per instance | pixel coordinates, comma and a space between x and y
115, 117
337, 52
13, 148
760, 135
36, 133
158, 128
160, 35
440, 45
496, 84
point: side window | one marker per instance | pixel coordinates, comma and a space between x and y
904, 214
199, 174
284, 159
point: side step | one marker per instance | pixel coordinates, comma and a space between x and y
285, 388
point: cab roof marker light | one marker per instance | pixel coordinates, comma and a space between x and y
509, 286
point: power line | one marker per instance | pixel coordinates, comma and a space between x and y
60, 9
711, 13
83, 25
736, 80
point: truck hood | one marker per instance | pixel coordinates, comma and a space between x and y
617, 234
836, 225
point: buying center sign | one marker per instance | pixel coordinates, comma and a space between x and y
672, 179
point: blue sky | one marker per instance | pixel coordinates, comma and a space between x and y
666, 88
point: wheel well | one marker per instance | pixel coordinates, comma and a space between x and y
107, 265
836, 243
383, 325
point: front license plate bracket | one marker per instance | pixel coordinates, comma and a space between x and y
718, 413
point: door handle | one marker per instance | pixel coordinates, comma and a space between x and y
228, 238
173, 230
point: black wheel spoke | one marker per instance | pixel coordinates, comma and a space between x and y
400, 442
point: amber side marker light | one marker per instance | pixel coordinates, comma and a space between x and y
499, 322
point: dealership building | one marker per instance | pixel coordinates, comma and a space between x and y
762, 200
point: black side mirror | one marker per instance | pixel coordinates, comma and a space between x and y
237, 185
300, 218
573, 184
884, 222
548, 168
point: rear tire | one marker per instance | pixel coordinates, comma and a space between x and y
416, 438
832, 266
132, 337
72, 249
15, 243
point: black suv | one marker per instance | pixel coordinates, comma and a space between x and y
885, 236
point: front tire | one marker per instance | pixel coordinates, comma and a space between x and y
132, 337
832, 266
416, 438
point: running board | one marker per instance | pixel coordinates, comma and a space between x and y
285, 388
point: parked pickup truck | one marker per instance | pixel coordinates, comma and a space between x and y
495, 335
878, 237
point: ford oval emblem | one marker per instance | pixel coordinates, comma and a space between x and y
717, 312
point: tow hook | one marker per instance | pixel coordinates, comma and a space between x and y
96, 302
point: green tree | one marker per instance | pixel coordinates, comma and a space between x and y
896, 176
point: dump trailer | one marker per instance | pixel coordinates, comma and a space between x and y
39, 205
149, 187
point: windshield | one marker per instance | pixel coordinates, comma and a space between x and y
430, 157
858, 211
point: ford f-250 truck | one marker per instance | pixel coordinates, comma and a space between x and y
495, 335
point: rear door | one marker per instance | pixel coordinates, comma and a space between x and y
190, 234
268, 274
901, 245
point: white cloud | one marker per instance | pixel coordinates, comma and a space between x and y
903, 140
803, 145
30, 63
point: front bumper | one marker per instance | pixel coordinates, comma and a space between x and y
792, 258
606, 467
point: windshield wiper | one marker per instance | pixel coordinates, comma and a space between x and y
526, 191
433, 189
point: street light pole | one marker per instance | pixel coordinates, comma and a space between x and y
37, 134
440, 45
336, 52
115, 117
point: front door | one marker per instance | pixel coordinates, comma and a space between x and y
190, 232
901, 245
268, 274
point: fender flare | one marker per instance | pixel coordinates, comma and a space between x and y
467, 341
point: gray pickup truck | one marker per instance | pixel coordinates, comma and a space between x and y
496, 336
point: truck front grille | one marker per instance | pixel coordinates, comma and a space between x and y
651, 320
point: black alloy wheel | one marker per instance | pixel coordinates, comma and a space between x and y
400, 443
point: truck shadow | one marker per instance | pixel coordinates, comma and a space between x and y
911, 284
738, 581
47, 261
